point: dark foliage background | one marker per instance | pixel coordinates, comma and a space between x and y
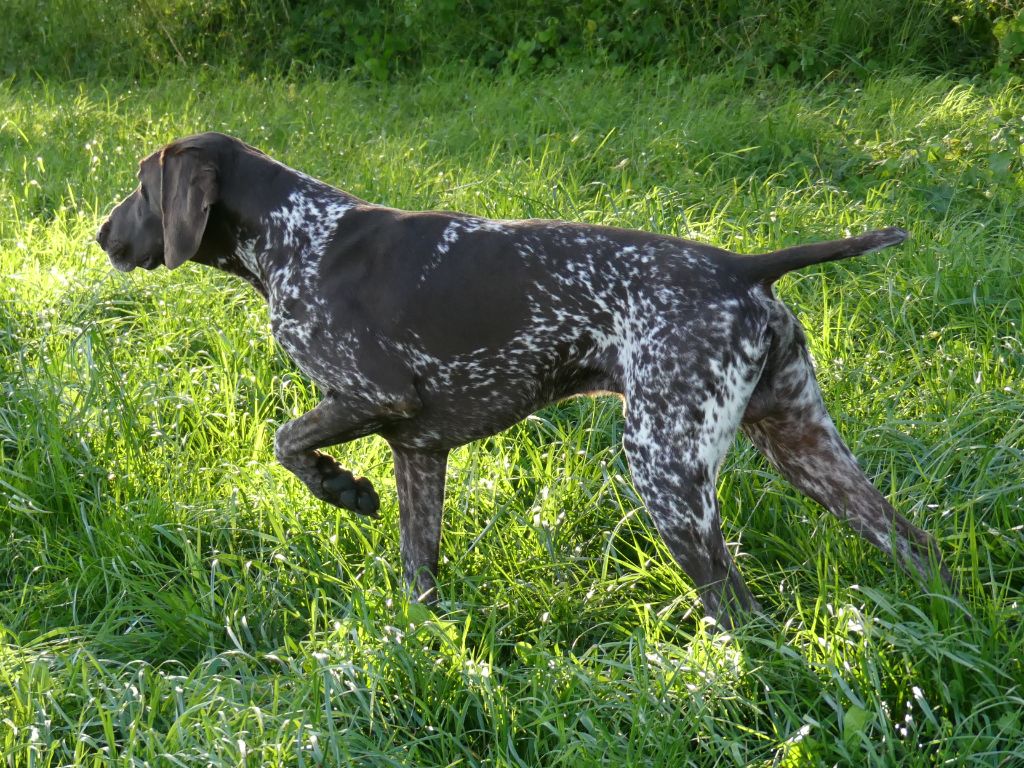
383, 38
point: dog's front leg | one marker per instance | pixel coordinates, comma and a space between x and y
420, 477
331, 422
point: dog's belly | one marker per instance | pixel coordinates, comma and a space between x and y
460, 406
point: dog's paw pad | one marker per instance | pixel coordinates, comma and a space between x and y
368, 503
355, 494
341, 482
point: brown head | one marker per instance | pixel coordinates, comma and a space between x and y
164, 219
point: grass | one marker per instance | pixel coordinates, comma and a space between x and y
171, 596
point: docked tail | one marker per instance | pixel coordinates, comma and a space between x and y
769, 267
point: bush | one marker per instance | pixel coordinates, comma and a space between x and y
381, 38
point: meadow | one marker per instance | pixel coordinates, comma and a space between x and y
169, 595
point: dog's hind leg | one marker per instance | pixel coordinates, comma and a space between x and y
677, 433
420, 476
787, 421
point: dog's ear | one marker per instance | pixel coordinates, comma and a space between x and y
188, 187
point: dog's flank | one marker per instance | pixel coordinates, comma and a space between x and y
433, 329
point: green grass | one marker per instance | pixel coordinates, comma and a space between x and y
171, 596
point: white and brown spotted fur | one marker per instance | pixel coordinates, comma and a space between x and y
435, 329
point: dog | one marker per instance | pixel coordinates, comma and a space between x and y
434, 329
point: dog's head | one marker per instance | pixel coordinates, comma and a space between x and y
164, 219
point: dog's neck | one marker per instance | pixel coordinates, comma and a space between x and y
264, 243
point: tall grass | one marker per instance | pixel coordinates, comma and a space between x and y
169, 595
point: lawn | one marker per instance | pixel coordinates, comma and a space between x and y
169, 595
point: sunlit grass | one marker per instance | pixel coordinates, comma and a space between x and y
168, 593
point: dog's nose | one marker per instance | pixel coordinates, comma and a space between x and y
103, 234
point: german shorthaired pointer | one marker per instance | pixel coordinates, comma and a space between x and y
434, 329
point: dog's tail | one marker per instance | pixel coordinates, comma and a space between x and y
769, 267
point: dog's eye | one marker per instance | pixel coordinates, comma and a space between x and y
145, 196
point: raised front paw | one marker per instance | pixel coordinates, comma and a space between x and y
339, 487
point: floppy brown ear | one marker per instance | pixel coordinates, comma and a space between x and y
188, 187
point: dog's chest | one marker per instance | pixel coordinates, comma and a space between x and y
298, 336
300, 324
